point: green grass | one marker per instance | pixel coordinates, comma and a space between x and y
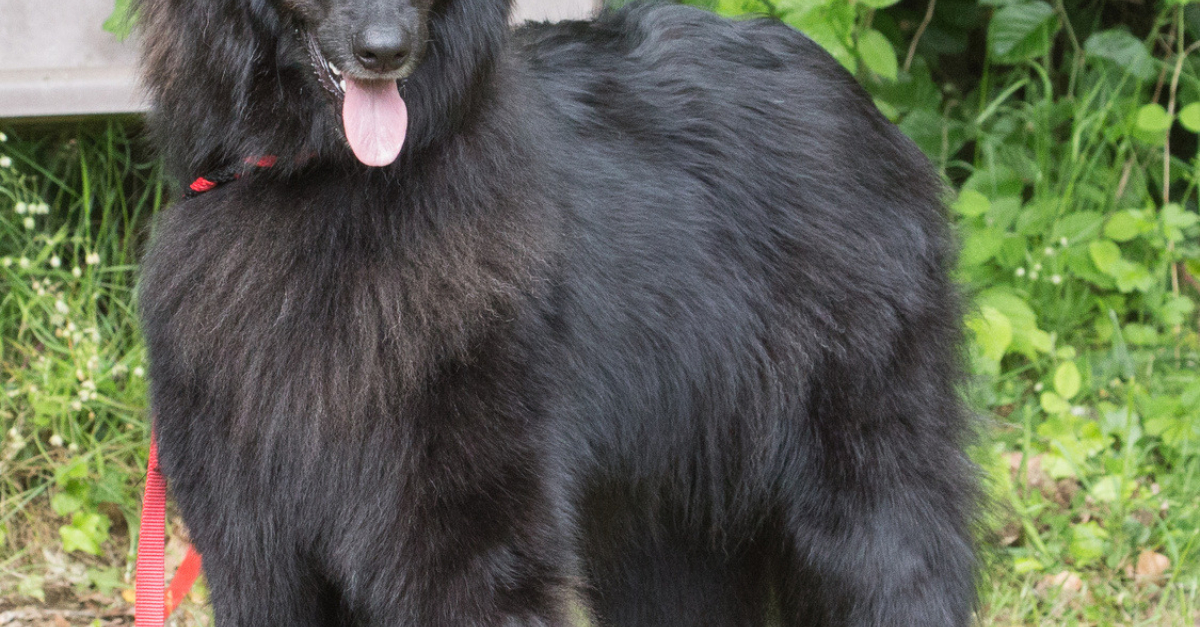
1077, 213
73, 211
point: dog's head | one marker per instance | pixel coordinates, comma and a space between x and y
359, 50
233, 79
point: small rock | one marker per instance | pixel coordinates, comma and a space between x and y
1151, 565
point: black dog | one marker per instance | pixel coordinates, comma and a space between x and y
648, 320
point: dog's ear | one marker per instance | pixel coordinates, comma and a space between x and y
219, 88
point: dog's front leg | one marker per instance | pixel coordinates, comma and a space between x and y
454, 512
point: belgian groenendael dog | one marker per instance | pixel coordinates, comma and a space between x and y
649, 319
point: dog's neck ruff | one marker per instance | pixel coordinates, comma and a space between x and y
227, 174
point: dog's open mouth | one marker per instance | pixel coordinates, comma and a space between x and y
374, 115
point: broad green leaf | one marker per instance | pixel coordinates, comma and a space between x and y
1105, 254
1153, 118
1078, 226
77, 468
1023, 565
1053, 403
120, 21
1140, 334
1123, 49
1175, 220
1088, 543
1189, 117
877, 54
1175, 215
85, 533
65, 503
1028, 339
1022, 31
1040, 341
1107, 489
971, 203
993, 332
75, 539
1126, 225
830, 25
980, 246
1067, 380
996, 182
1058, 467
1132, 276
1175, 310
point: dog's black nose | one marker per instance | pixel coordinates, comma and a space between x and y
381, 49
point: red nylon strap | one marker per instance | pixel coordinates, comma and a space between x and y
152, 606
149, 608
201, 185
185, 578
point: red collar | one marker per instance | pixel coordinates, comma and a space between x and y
212, 180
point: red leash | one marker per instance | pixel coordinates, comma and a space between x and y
152, 604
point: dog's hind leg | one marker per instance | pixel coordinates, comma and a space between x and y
880, 512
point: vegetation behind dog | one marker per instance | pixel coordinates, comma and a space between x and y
1068, 131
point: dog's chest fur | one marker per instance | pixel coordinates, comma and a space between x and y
342, 306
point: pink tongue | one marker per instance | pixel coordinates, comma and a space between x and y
375, 119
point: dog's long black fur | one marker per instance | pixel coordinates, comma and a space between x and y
650, 320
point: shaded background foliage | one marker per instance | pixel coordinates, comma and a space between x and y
1067, 133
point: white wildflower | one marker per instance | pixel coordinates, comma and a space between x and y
14, 434
29, 223
72, 447
76, 272
5, 162
92, 259
1033, 276
1063, 242
61, 307
1056, 279
21, 208
1037, 267
42, 209
55, 262
139, 372
1078, 411
1038, 387
24, 262
1020, 272
56, 441
1049, 251
7, 262
3, 138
